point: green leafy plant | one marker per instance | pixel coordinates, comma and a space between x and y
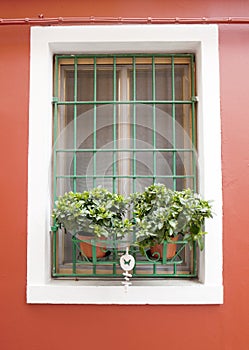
97, 211
161, 214
158, 214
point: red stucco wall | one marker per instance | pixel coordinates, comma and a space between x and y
40, 327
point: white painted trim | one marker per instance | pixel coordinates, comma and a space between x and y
45, 41
163, 293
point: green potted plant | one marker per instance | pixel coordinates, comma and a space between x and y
161, 214
93, 216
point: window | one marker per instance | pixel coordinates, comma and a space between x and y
155, 41
123, 122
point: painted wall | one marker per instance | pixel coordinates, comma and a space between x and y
39, 327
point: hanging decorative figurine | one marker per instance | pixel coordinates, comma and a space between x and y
127, 263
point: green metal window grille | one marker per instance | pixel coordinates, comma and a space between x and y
122, 122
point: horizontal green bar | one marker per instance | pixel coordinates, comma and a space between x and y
119, 276
124, 176
126, 150
130, 102
138, 263
179, 275
127, 55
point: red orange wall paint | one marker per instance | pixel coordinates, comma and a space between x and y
128, 8
39, 327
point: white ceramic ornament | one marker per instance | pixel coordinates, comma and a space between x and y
127, 263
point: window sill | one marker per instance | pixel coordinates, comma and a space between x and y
166, 292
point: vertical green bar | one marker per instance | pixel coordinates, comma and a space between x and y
55, 151
134, 131
175, 270
56, 89
94, 255
75, 124
194, 260
154, 268
154, 116
54, 268
114, 178
173, 121
114, 268
193, 147
55, 100
193, 121
134, 124
165, 248
134, 253
74, 252
94, 120
114, 257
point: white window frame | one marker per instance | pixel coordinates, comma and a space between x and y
47, 41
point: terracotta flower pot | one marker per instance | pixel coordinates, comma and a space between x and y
158, 249
87, 247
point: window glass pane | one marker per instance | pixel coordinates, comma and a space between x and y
104, 83
163, 74
182, 82
144, 126
143, 182
64, 162
184, 163
124, 86
144, 83
164, 128
105, 127
144, 163
66, 89
62, 185
65, 131
164, 164
84, 84
84, 163
168, 182
183, 126
104, 164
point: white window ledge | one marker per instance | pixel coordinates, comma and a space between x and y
45, 42
167, 292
